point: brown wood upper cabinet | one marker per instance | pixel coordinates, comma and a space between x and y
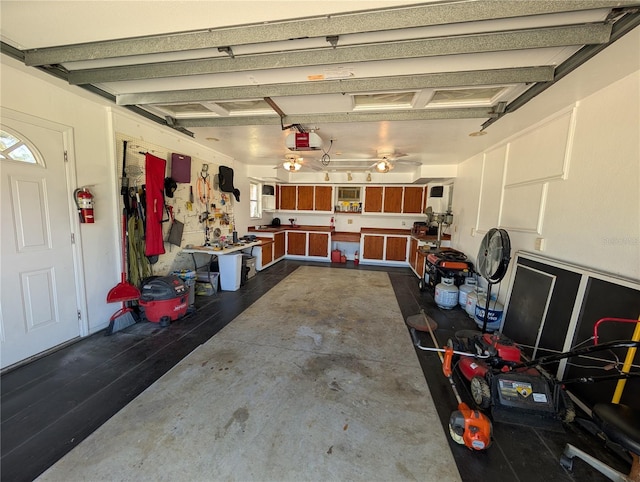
392, 199
412, 199
373, 199
305, 198
323, 198
288, 197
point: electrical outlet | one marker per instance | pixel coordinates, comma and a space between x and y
349, 221
404, 223
540, 244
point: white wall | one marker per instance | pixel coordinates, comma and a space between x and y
95, 122
573, 179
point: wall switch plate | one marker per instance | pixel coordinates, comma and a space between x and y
540, 244
349, 221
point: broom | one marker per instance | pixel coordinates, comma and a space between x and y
123, 291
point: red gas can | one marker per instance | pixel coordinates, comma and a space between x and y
336, 256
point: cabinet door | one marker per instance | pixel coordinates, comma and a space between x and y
413, 253
396, 248
287, 198
296, 243
324, 198
278, 246
318, 245
305, 198
420, 264
412, 199
373, 199
373, 247
278, 196
267, 254
392, 199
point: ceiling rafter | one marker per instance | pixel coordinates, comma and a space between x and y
375, 84
462, 44
319, 118
322, 26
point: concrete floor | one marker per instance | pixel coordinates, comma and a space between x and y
306, 384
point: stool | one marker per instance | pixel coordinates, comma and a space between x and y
621, 425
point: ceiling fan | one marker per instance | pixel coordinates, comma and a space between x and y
294, 163
387, 159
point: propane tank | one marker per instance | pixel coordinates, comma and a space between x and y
446, 295
472, 299
464, 290
494, 316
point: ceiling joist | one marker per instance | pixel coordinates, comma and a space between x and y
376, 84
320, 118
463, 44
325, 26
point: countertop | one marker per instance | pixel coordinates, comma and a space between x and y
288, 227
346, 235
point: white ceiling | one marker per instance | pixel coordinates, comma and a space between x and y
308, 81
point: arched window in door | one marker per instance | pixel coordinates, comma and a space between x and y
15, 148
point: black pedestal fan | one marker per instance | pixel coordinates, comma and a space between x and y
492, 263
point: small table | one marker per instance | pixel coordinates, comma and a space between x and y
216, 252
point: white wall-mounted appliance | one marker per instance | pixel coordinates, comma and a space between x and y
439, 197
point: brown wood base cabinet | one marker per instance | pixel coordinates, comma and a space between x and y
382, 248
318, 245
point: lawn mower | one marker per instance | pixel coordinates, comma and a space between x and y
467, 426
518, 390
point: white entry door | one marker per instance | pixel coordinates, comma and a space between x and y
39, 307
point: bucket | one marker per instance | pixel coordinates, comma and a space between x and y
494, 318
446, 295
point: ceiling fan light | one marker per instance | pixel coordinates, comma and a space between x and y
382, 166
291, 166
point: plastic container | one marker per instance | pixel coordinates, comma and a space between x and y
494, 319
250, 262
472, 299
230, 271
446, 295
464, 290
189, 278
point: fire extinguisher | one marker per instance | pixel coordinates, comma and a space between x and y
84, 202
356, 259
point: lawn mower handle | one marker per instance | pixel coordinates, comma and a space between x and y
580, 351
604, 320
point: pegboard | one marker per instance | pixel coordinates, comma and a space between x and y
207, 197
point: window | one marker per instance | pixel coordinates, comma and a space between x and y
15, 149
255, 204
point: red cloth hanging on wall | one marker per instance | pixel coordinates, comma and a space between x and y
155, 170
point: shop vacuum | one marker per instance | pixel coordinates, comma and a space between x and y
164, 299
